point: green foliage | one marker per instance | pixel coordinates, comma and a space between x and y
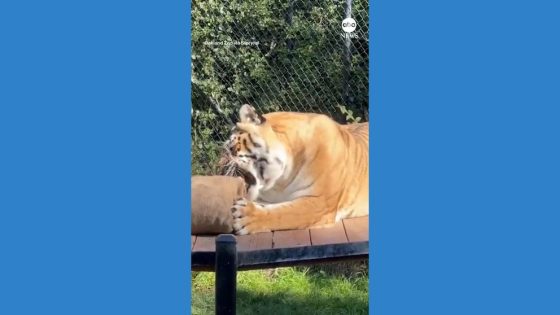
349, 115
299, 64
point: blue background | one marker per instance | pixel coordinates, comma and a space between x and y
95, 157
465, 157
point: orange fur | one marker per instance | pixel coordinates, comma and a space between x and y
315, 171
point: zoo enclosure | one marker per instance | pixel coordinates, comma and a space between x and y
277, 56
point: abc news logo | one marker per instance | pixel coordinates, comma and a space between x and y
348, 26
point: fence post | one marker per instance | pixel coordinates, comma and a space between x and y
226, 274
347, 58
288, 18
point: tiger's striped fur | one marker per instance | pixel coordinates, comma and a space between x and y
308, 170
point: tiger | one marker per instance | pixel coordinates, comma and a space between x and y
304, 170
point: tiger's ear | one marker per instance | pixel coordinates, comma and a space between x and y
247, 127
248, 114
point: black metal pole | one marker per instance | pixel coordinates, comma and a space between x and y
226, 274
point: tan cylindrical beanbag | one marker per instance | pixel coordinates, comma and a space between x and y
211, 200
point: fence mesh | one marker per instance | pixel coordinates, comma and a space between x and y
277, 56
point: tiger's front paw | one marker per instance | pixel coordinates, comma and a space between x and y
248, 217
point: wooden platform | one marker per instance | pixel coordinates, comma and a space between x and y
348, 239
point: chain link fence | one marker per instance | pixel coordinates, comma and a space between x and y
277, 56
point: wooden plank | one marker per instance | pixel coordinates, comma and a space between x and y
330, 235
357, 229
254, 241
205, 244
291, 238
193, 240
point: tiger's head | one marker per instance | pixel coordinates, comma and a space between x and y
254, 147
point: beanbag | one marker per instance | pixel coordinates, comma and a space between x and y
211, 200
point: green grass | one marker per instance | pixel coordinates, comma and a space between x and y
338, 289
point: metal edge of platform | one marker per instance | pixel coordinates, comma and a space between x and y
282, 257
